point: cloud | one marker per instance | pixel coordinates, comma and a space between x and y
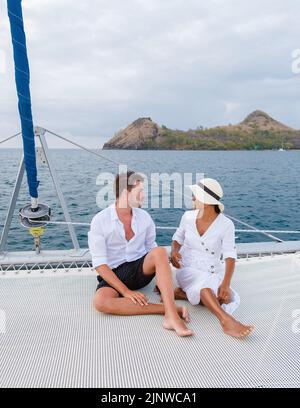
98, 65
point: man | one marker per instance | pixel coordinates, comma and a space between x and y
126, 258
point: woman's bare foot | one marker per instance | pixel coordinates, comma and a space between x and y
184, 313
236, 329
175, 323
179, 294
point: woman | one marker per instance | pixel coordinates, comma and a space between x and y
204, 234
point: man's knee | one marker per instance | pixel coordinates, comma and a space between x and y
159, 254
102, 304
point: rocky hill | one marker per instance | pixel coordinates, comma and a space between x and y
136, 135
257, 131
263, 121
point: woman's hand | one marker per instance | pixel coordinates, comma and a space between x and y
175, 259
224, 293
136, 297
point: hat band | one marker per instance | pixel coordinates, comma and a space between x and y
209, 191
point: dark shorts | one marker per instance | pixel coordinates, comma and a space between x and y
131, 274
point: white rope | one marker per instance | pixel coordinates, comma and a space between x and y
87, 224
269, 231
256, 229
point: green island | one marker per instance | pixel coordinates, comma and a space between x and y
258, 131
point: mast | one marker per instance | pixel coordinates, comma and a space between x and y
22, 77
35, 215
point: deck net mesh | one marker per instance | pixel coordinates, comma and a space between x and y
52, 337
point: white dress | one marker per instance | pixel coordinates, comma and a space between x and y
201, 262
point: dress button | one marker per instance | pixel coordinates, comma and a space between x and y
206, 249
202, 243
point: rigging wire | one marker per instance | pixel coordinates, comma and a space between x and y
10, 137
175, 191
251, 228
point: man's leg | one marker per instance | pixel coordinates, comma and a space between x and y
157, 261
229, 324
108, 300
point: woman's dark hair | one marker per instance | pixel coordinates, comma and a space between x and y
217, 209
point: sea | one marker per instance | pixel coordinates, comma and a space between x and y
261, 188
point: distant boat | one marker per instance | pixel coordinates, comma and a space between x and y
282, 149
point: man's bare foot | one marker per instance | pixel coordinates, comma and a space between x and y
236, 329
175, 323
184, 313
179, 294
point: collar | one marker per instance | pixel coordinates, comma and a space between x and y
113, 212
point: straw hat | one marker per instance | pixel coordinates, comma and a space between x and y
208, 191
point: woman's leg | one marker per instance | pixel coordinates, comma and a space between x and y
230, 326
180, 294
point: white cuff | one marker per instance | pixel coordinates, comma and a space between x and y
176, 237
230, 254
97, 261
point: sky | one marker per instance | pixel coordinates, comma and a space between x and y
97, 65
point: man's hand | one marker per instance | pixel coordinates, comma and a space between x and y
224, 293
175, 259
136, 297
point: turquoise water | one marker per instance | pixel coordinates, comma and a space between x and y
260, 187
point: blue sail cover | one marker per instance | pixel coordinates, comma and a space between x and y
22, 77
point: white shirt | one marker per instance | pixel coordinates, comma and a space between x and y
107, 242
218, 239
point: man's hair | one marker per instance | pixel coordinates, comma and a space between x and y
126, 181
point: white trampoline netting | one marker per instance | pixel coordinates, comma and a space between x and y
52, 337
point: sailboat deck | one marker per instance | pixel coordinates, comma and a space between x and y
54, 337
